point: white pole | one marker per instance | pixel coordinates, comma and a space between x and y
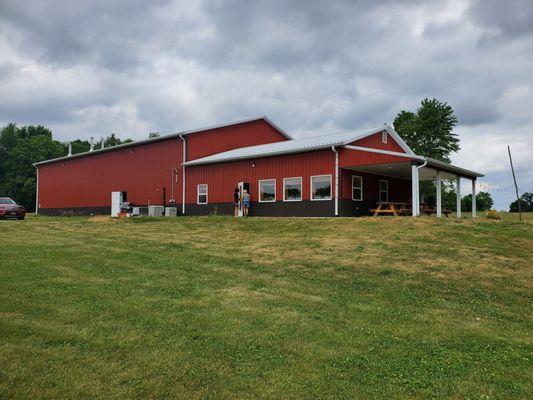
336, 181
474, 205
439, 195
37, 192
414, 188
458, 196
183, 175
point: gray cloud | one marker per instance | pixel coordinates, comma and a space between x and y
89, 68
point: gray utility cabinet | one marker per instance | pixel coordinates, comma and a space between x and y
156, 211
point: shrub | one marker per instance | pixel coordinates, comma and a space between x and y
493, 214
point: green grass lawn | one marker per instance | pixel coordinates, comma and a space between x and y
212, 307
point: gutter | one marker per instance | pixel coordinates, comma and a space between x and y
184, 158
36, 190
336, 180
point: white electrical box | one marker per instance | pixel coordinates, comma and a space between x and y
116, 201
156, 211
171, 211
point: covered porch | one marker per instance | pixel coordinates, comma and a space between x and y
412, 170
406, 172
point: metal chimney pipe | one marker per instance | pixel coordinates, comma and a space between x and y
102, 146
69, 149
92, 144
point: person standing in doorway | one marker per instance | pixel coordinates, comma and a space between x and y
245, 203
236, 200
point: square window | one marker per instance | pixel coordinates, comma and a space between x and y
321, 187
357, 188
292, 189
201, 197
267, 191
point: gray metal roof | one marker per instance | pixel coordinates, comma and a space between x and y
161, 138
289, 146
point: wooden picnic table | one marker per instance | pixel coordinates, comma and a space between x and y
397, 208
391, 207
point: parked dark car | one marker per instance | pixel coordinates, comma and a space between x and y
10, 209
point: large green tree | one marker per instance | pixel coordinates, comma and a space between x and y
429, 131
526, 203
484, 202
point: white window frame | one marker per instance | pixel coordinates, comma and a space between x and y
330, 187
380, 191
198, 193
384, 137
301, 188
361, 187
259, 191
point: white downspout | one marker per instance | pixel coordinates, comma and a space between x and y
336, 180
37, 192
183, 175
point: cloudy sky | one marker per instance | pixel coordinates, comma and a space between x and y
89, 68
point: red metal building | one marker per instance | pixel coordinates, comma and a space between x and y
344, 174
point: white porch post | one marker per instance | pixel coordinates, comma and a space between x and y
474, 205
439, 195
414, 189
458, 196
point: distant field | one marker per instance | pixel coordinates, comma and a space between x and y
212, 307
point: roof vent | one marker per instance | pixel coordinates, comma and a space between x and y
92, 144
69, 149
103, 144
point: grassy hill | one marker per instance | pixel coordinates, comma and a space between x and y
265, 308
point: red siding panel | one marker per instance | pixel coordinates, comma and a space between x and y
352, 158
374, 141
142, 171
223, 178
205, 143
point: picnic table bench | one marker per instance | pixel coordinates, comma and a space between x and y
391, 207
402, 208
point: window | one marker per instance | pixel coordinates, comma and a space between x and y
357, 188
267, 191
384, 137
201, 197
383, 190
321, 187
292, 189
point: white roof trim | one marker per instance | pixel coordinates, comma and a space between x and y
387, 152
242, 121
398, 139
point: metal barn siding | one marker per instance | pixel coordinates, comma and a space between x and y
87, 182
374, 141
222, 178
353, 158
218, 140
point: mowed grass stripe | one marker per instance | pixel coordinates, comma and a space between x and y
265, 308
